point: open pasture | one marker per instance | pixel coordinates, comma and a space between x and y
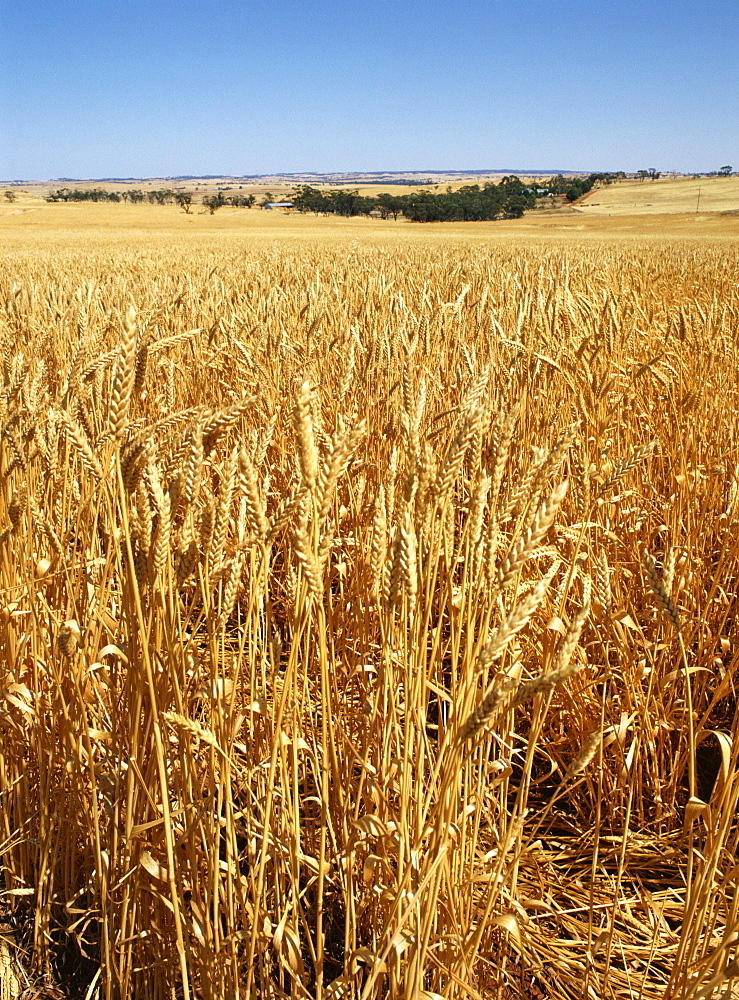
367, 611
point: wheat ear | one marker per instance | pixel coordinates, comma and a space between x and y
531, 537
307, 449
124, 377
634, 459
659, 590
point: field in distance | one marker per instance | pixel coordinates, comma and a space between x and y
662, 208
667, 195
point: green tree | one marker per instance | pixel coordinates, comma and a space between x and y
723, 171
184, 200
515, 206
575, 190
164, 197
389, 204
213, 202
310, 199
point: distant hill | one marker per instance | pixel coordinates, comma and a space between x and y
354, 177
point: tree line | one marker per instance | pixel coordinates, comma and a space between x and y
161, 196
575, 187
508, 199
164, 196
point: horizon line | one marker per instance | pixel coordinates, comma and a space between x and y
311, 173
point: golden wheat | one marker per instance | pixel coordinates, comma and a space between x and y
295, 627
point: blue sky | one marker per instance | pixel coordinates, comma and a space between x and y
162, 88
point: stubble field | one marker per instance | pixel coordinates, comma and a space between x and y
368, 616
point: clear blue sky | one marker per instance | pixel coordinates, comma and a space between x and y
160, 88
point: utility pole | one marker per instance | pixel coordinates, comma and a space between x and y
699, 200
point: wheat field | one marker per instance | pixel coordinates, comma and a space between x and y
368, 620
